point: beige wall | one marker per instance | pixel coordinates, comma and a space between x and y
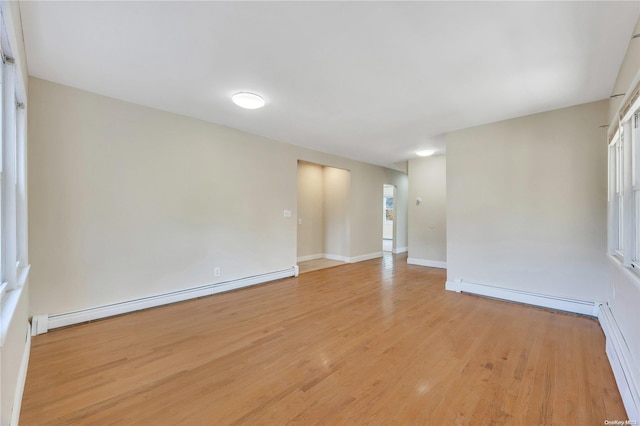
428, 221
526, 203
310, 209
127, 201
401, 222
337, 184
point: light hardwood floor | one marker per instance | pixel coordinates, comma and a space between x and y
377, 342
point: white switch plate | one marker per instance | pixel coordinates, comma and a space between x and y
287, 213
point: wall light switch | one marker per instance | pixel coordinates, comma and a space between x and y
287, 213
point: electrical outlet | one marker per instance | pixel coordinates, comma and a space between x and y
216, 272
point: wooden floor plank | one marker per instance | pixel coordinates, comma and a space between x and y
376, 342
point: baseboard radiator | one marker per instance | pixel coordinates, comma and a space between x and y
581, 307
43, 323
626, 373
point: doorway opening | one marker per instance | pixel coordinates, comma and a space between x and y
388, 218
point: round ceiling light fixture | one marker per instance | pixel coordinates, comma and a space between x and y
248, 100
425, 152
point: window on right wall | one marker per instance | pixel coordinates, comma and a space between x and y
14, 262
635, 188
624, 184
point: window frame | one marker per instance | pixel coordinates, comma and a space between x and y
615, 195
624, 185
634, 127
22, 254
14, 263
8, 195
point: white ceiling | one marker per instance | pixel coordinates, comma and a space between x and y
372, 81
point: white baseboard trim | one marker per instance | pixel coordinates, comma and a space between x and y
625, 372
546, 301
310, 257
70, 318
364, 257
425, 262
336, 257
22, 379
399, 250
339, 258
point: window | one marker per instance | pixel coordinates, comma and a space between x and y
635, 187
8, 195
14, 262
13, 210
624, 184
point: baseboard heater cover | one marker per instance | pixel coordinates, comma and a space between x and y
625, 372
546, 301
76, 317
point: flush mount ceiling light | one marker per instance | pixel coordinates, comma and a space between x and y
248, 100
425, 152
